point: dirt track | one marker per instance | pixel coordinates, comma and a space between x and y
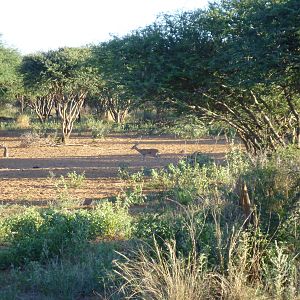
24, 176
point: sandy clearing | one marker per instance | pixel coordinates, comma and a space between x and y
24, 176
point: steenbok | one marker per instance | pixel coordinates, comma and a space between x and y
144, 152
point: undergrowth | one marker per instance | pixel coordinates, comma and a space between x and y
198, 244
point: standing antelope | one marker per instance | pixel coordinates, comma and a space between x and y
144, 152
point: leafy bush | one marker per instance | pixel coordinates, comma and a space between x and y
189, 127
111, 220
88, 273
74, 180
188, 229
44, 235
39, 235
192, 181
289, 229
133, 196
200, 159
99, 129
123, 171
274, 185
45, 128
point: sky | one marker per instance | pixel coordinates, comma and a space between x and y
41, 25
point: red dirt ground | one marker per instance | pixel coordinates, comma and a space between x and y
24, 176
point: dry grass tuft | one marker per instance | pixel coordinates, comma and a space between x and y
23, 121
164, 276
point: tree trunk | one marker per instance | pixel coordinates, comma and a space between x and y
22, 104
298, 134
5, 152
69, 109
42, 107
66, 131
296, 114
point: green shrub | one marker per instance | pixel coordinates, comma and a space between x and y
46, 128
133, 196
185, 195
75, 180
88, 273
44, 235
111, 220
40, 235
200, 158
192, 181
123, 171
64, 186
99, 129
183, 228
189, 127
274, 185
280, 273
289, 229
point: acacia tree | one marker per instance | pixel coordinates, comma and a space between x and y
237, 62
256, 69
132, 70
67, 77
38, 93
10, 78
113, 102
114, 94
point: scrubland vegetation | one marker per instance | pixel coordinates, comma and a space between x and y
197, 229
191, 240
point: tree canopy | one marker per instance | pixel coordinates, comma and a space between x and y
63, 77
10, 78
237, 61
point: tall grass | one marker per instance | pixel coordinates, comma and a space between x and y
256, 268
207, 249
164, 276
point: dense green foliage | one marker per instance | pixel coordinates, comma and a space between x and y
61, 78
237, 61
41, 235
10, 80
